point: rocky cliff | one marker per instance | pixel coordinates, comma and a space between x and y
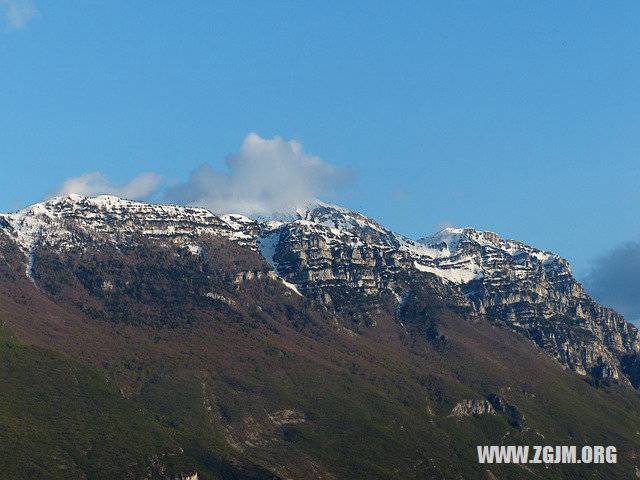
321, 249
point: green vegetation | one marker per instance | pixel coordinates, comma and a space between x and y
272, 385
59, 419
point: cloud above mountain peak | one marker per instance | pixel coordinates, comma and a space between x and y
91, 184
265, 176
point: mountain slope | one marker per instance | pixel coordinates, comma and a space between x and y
321, 247
372, 372
59, 419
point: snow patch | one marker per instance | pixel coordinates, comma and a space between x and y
267, 247
290, 286
267, 244
454, 275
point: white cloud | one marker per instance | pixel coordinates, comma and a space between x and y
95, 183
17, 13
442, 225
266, 176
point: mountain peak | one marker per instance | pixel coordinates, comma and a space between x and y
321, 247
49, 221
113, 215
449, 240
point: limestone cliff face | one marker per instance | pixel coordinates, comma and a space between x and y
314, 257
531, 291
537, 295
320, 248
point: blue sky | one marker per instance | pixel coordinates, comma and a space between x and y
518, 117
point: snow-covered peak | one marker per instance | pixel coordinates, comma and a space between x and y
294, 213
325, 214
320, 215
449, 241
54, 220
460, 255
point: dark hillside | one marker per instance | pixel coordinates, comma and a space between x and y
244, 375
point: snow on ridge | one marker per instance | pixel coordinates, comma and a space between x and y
448, 240
442, 254
324, 214
46, 220
462, 255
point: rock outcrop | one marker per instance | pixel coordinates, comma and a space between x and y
474, 408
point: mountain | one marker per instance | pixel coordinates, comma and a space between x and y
312, 344
532, 291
